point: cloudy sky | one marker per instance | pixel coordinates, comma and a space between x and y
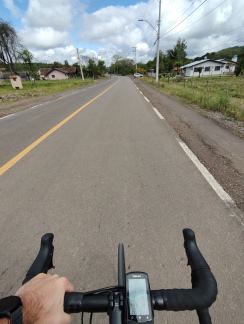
53, 29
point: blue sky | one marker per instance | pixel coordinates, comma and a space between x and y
53, 29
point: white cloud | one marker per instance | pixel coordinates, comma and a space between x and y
44, 38
9, 4
57, 14
113, 24
48, 25
61, 54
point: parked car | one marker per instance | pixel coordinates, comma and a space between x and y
138, 75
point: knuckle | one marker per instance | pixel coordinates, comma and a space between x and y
63, 281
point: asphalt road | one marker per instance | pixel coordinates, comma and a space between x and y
113, 173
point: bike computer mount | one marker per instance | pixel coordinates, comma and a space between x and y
138, 299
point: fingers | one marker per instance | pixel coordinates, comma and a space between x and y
67, 284
67, 318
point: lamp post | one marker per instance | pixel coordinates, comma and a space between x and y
158, 37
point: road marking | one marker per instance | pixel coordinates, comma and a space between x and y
36, 106
146, 99
7, 116
9, 164
207, 175
158, 113
140, 92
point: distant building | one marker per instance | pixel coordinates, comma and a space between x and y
58, 73
210, 67
23, 75
43, 72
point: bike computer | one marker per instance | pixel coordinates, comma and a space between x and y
138, 298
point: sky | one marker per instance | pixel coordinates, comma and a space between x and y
53, 29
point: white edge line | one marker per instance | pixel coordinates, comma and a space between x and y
146, 99
7, 116
207, 175
158, 113
140, 92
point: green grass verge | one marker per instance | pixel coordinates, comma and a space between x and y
223, 94
33, 89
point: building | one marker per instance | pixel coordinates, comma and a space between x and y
23, 75
57, 73
210, 67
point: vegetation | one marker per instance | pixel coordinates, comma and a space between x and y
221, 94
27, 60
39, 88
199, 69
9, 45
227, 53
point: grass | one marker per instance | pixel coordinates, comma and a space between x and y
33, 89
224, 94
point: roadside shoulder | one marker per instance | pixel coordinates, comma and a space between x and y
221, 151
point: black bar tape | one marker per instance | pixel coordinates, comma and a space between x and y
202, 296
76, 302
204, 317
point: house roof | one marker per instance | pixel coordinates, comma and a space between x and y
200, 62
225, 60
70, 70
44, 71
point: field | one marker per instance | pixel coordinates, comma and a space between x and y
33, 89
224, 94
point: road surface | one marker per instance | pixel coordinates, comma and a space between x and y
112, 172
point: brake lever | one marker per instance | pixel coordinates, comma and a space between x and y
44, 259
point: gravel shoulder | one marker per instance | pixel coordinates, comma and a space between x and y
19, 105
211, 138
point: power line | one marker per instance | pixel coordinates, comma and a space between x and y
237, 41
148, 18
185, 18
183, 11
167, 9
196, 20
151, 49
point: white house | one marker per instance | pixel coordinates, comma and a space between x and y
210, 67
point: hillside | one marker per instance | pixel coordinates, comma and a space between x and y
227, 53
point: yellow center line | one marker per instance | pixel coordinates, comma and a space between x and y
9, 164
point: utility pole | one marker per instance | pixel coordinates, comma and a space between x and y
80, 65
159, 20
135, 54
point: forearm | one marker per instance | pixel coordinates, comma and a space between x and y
4, 320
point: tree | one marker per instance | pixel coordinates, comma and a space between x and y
140, 70
9, 45
56, 65
27, 59
230, 65
116, 59
239, 67
181, 46
199, 69
93, 68
101, 66
77, 66
66, 64
173, 56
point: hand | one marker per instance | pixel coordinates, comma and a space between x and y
43, 299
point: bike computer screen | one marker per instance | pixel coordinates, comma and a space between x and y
139, 307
